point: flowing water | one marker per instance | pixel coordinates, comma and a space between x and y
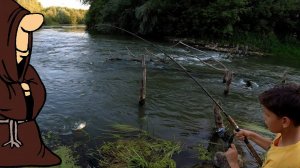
85, 86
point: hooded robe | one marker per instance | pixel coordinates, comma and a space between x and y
13, 103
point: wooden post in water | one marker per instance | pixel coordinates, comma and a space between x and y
219, 159
284, 77
218, 117
144, 80
228, 75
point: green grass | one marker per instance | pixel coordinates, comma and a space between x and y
204, 154
67, 157
66, 153
142, 152
289, 49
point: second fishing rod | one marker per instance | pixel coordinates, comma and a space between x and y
228, 117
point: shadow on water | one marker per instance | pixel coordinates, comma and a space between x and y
83, 85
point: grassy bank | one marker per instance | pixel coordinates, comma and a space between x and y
128, 147
269, 46
139, 152
288, 48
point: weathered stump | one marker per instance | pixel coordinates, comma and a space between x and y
144, 79
227, 78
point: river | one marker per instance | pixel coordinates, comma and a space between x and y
85, 86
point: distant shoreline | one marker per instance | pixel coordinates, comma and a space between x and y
64, 26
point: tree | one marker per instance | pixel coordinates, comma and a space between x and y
55, 15
213, 18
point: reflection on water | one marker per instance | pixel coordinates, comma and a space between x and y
84, 86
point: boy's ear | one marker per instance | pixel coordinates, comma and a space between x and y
32, 22
286, 122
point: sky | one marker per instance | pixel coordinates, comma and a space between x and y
63, 3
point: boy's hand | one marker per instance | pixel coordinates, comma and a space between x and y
232, 156
243, 133
26, 89
261, 141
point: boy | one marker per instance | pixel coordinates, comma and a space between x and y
281, 111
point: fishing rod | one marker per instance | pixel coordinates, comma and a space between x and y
229, 118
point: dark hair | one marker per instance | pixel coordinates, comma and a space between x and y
283, 100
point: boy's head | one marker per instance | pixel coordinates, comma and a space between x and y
283, 101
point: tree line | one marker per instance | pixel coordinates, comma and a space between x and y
55, 15
198, 18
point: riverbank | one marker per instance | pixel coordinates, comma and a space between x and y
243, 44
224, 47
247, 45
64, 26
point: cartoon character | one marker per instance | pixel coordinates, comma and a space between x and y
22, 93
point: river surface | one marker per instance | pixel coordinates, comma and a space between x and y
84, 85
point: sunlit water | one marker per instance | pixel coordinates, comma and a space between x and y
84, 86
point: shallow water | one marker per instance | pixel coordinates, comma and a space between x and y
83, 85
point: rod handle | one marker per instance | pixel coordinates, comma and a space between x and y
250, 147
252, 150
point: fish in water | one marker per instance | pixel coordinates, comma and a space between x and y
79, 126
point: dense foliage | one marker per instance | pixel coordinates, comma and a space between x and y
60, 15
55, 15
198, 18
